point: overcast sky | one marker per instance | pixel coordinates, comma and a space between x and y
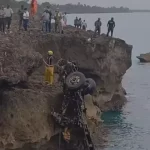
142, 4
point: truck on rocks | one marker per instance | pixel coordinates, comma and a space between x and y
26, 103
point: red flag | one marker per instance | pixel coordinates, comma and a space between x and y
33, 7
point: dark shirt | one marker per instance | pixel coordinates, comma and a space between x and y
111, 24
75, 21
50, 60
20, 12
98, 24
50, 14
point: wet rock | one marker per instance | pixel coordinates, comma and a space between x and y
25, 120
144, 57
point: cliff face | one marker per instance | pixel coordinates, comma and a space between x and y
26, 102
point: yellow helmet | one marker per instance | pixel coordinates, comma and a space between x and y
50, 52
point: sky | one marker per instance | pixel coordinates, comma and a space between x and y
133, 4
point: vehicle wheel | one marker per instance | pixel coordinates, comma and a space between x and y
90, 86
75, 80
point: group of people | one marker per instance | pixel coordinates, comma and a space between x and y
110, 26
78, 23
5, 18
47, 16
59, 18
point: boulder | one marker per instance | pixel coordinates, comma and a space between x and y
144, 57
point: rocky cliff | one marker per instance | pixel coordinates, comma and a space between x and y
26, 102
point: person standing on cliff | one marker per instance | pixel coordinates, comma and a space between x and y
65, 19
84, 25
111, 26
20, 13
58, 23
76, 22
25, 19
8, 16
79, 24
45, 21
98, 25
50, 17
2, 20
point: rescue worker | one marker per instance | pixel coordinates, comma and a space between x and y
98, 25
20, 13
58, 18
76, 22
66, 135
49, 71
84, 25
111, 26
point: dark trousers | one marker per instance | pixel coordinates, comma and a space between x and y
8, 22
56, 26
46, 26
84, 28
25, 24
79, 26
20, 23
110, 30
98, 29
49, 26
2, 24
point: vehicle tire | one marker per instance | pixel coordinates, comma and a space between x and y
90, 86
75, 80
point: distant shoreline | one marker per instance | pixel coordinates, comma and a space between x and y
111, 12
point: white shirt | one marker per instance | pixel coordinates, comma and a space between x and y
8, 12
84, 24
65, 18
26, 15
2, 13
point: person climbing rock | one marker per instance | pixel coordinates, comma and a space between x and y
84, 25
49, 70
58, 18
98, 25
66, 135
76, 22
20, 13
8, 16
2, 20
50, 18
111, 26
25, 19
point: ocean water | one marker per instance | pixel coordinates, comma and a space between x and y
129, 129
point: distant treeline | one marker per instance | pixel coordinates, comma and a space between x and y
69, 8
138, 10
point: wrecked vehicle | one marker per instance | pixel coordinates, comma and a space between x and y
73, 111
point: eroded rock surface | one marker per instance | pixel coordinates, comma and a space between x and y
26, 102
